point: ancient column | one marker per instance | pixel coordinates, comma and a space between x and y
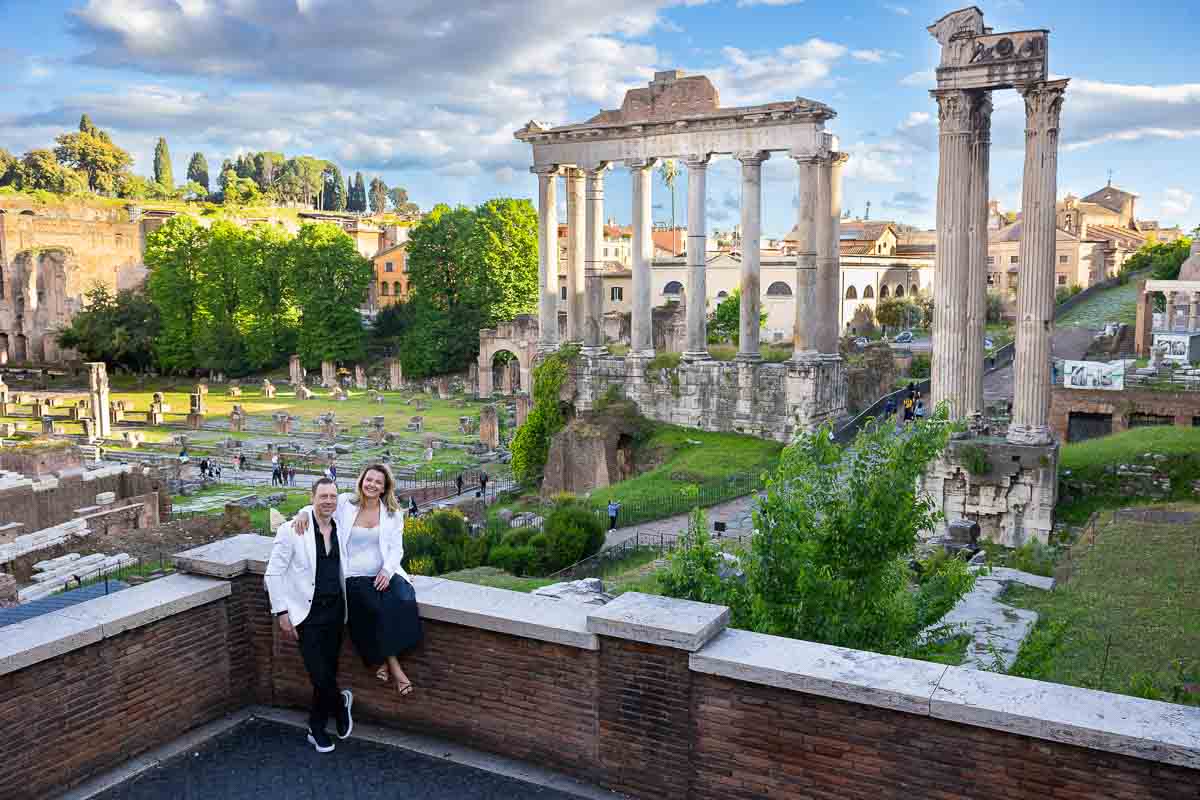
576, 254
697, 293
977, 235
547, 256
952, 300
751, 300
1035, 292
804, 329
98, 398
825, 316
1194, 312
641, 338
833, 266
593, 341
485, 377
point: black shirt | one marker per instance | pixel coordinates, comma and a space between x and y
329, 565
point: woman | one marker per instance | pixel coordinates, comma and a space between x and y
380, 600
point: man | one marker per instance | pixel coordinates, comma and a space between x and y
483, 479
614, 508
458, 481
304, 582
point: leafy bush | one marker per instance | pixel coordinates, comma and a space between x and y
518, 552
1033, 557
441, 542
573, 532
920, 366
692, 572
531, 445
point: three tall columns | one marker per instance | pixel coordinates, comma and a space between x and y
641, 334
697, 252
751, 277
547, 256
1035, 292
960, 297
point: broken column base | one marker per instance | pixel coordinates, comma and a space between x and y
1009, 489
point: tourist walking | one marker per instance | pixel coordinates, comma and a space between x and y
483, 479
412, 506
920, 409
614, 508
307, 594
889, 408
382, 604
276, 473
458, 482
909, 406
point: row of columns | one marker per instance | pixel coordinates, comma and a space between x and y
960, 293
815, 331
1183, 312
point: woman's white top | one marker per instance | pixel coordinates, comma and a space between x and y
364, 556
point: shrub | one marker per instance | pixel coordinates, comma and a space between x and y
920, 367
441, 542
1033, 557
573, 531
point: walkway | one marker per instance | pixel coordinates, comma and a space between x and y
736, 514
1069, 342
259, 758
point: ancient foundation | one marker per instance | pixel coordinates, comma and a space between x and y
774, 401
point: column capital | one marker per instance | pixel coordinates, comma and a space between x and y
1043, 103
641, 163
595, 169
752, 157
837, 159
955, 109
697, 160
806, 159
545, 170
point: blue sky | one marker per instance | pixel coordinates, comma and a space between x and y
427, 93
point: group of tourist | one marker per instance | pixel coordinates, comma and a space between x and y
281, 473
337, 565
912, 407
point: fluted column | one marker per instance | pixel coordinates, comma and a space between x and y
824, 315
576, 254
833, 266
977, 234
547, 256
804, 327
1194, 313
593, 340
641, 335
1035, 292
697, 250
953, 302
751, 297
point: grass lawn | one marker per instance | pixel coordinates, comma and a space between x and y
497, 579
1092, 462
1128, 620
1118, 304
635, 573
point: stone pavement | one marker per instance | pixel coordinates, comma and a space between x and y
736, 514
259, 759
1068, 343
996, 629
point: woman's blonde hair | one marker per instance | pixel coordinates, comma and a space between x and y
387, 497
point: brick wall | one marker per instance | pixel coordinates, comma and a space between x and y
755, 741
44, 509
1182, 406
92, 709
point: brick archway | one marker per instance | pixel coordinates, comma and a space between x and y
519, 337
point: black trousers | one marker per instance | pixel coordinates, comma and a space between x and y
320, 643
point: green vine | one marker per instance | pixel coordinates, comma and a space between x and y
531, 445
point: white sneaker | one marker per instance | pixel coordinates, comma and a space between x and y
320, 740
348, 699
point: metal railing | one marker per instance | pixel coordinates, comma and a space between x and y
604, 563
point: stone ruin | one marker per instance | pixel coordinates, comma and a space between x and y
339, 393
296, 372
268, 388
489, 426
283, 422
328, 374
328, 425
467, 425
415, 424
395, 378
158, 409
443, 388
377, 429
524, 404
233, 390
197, 408
237, 419
133, 439
360, 377
304, 393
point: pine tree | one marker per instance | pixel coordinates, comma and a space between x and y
335, 192
349, 193
379, 195
198, 170
162, 165
86, 126
360, 193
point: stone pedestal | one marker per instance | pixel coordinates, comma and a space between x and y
489, 426
524, 403
158, 410
328, 426
283, 422
116, 411
443, 388
98, 395
295, 371
360, 377
472, 387
237, 419
304, 393
395, 374
195, 421
1009, 489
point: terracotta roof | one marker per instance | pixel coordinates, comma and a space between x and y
1123, 236
855, 247
1110, 197
915, 249
391, 249
674, 242
1012, 233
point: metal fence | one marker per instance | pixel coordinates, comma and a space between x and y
140, 567
613, 559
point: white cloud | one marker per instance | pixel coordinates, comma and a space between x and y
873, 56
1096, 112
1176, 202
744, 3
926, 77
748, 78
901, 10
915, 119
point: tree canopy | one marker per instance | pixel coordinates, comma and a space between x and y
726, 321
198, 171
163, 174
1163, 259
118, 329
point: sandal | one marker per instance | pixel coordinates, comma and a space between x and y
405, 689
382, 674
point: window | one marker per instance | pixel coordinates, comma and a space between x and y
1012, 259
383, 288
900, 290
992, 279
674, 287
852, 293
396, 289
779, 289
562, 293
1062, 280
616, 294
913, 290
388, 266
991, 259
883, 292
606, 252
1063, 259
869, 293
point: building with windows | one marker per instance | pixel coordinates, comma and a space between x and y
391, 275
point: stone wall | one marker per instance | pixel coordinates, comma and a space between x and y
646, 695
872, 377
1009, 489
45, 502
1182, 407
774, 401
39, 461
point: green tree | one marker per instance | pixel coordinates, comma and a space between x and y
399, 196
531, 444
40, 170
835, 535
335, 190
238, 191
502, 258
268, 301
163, 174
330, 281
92, 152
10, 168
174, 257
266, 167
218, 343
389, 328
358, 199
726, 321
668, 170
118, 329
894, 312
1162, 259
378, 196
198, 171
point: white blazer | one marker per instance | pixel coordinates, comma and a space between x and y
291, 575
391, 531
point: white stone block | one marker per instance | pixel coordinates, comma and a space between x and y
44, 637
502, 611
149, 602
682, 624
228, 558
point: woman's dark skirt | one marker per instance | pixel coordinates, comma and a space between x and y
383, 623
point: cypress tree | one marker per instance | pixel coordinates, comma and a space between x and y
198, 170
162, 164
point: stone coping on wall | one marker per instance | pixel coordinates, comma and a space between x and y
34, 640
653, 619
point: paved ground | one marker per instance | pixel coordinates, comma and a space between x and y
736, 514
1069, 343
261, 759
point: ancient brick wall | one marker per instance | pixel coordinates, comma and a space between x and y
42, 508
1183, 407
94, 708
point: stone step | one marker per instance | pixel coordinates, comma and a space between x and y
43, 539
55, 563
107, 566
77, 567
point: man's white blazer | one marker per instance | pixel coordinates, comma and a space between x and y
291, 576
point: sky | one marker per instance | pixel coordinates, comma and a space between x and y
427, 93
